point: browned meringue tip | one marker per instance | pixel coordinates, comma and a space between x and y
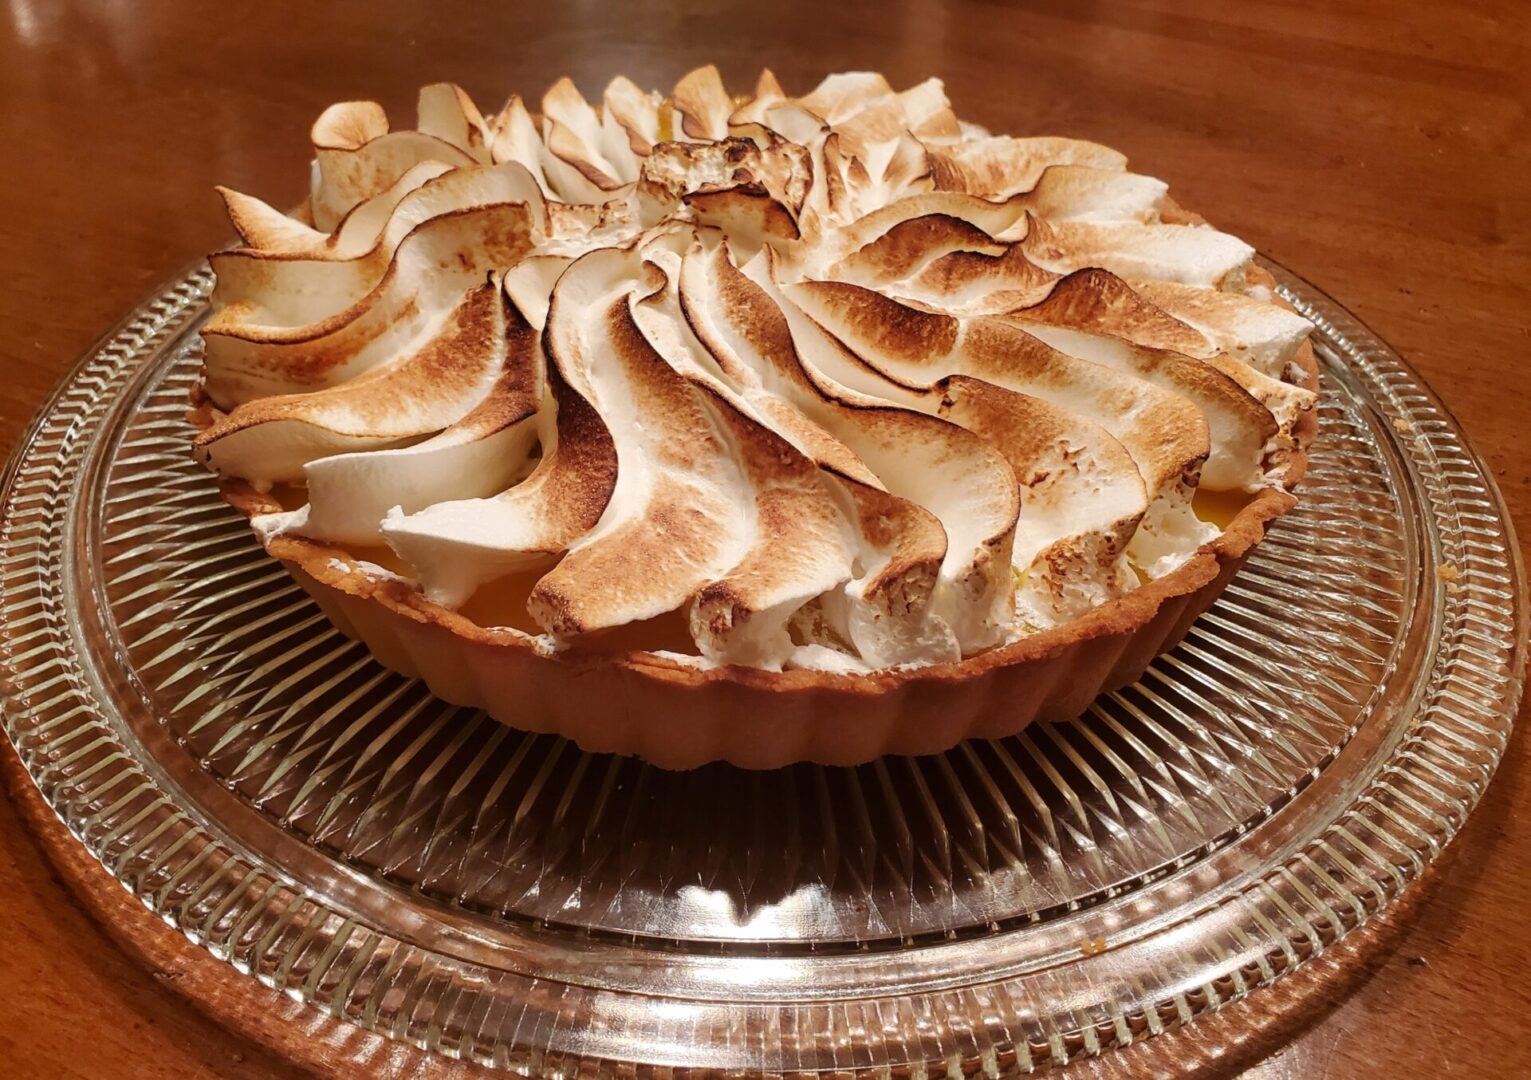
262, 226
349, 125
1098, 298
703, 104
768, 92
840, 96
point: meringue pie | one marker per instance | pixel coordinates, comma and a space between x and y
760, 429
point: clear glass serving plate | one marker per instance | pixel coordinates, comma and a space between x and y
332, 830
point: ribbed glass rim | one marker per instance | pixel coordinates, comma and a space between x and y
1342, 848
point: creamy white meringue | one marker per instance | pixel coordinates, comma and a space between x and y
839, 381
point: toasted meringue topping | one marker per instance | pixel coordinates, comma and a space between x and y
846, 382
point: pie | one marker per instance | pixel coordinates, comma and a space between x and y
759, 429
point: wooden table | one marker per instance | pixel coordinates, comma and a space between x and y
1381, 150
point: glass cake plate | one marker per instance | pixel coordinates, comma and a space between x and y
330, 829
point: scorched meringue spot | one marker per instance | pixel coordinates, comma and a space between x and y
811, 427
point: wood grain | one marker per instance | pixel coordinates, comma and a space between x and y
1380, 150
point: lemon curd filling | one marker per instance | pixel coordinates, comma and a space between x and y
383, 556
670, 632
1219, 507
502, 602
289, 496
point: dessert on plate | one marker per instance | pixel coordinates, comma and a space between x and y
760, 428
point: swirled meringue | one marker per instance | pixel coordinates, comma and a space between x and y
838, 380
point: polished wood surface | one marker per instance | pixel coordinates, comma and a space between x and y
1380, 150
